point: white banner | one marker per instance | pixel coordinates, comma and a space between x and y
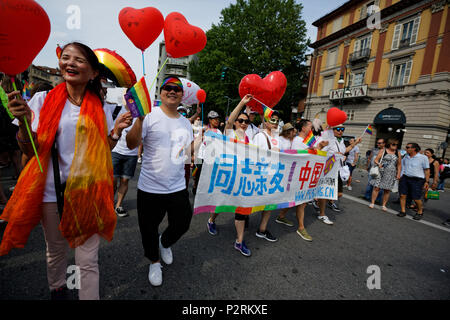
242, 178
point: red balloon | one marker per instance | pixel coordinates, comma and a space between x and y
141, 26
201, 95
269, 90
336, 117
181, 38
25, 28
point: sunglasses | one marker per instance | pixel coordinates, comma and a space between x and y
380, 142
183, 114
339, 129
170, 88
243, 121
394, 144
408, 147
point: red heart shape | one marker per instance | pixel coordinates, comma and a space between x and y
336, 117
269, 90
181, 38
141, 26
18, 47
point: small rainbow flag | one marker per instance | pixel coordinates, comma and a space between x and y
138, 99
369, 129
267, 112
194, 172
310, 140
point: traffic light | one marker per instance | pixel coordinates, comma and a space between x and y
224, 73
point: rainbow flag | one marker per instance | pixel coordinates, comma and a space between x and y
267, 112
138, 99
310, 140
26, 90
369, 129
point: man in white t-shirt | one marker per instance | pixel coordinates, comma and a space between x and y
252, 130
167, 138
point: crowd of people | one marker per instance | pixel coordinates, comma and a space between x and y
89, 154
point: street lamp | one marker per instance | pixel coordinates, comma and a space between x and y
345, 90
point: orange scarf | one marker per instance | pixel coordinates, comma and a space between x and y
88, 197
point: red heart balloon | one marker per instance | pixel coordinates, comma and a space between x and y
336, 117
141, 26
201, 95
18, 47
269, 90
181, 38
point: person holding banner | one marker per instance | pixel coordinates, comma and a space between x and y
71, 126
236, 128
337, 147
167, 136
267, 139
304, 127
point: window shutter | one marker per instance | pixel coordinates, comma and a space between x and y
407, 72
350, 81
396, 37
357, 45
415, 30
377, 3
363, 12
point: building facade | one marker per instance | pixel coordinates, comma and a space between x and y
385, 63
48, 75
174, 67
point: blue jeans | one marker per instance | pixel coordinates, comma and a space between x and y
369, 189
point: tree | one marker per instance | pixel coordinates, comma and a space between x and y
253, 36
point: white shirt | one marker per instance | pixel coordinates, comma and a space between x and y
166, 143
65, 139
297, 144
251, 131
206, 140
334, 147
352, 154
285, 144
260, 140
121, 146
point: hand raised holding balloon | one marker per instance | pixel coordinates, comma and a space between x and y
18, 107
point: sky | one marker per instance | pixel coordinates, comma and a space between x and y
99, 26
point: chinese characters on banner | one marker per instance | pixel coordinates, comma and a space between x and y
242, 178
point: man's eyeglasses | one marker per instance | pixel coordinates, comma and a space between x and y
170, 88
243, 120
380, 142
394, 144
339, 129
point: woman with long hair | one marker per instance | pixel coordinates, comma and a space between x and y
71, 131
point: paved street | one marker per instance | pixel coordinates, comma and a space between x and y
413, 257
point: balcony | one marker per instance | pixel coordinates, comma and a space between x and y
361, 55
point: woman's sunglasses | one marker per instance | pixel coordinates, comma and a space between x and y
243, 121
170, 88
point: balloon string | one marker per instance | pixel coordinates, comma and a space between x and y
28, 129
143, 64
158, 73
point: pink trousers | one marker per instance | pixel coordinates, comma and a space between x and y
86, 256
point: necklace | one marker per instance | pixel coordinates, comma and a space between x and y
75, 102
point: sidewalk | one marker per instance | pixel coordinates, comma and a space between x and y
435, 211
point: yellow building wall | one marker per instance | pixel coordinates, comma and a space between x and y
444, 19
389, 36
424, 29
436, 58
417, 66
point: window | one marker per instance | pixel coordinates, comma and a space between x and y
337, 24
405, 33
357, 78
400, 73
363, 44
332, 57
368, 9
327, 85
351, 114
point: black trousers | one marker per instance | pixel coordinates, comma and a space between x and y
152, 208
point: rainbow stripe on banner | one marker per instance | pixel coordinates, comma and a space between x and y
369, 129
138, 99
310, 140
267, 112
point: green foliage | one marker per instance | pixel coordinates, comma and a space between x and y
253, 36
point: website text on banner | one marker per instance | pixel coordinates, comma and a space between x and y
242, 178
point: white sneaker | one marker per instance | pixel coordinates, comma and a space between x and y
155, 274
325, 220
166, 253
349, 188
